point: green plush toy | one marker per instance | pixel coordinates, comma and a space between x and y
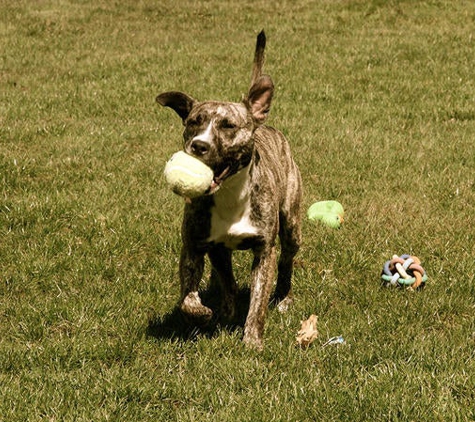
188, 176
328, 212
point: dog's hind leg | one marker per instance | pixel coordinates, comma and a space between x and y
222, 276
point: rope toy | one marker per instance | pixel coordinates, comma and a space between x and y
404, 270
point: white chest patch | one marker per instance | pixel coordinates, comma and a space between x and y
230, 216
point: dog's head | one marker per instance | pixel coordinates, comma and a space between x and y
221, 133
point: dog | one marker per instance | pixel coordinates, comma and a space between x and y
254, 198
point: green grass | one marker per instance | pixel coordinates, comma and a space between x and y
378, 101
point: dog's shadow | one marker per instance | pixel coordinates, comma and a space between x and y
174, 325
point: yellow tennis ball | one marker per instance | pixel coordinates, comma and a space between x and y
188, 176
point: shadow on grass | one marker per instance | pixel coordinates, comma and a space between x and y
174, 325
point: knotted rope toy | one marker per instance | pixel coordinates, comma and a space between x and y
404, 270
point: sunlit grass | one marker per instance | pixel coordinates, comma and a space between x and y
377, 100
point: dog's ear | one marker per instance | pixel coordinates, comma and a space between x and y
178, 101
260, 97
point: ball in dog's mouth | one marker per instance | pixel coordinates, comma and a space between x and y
187, 176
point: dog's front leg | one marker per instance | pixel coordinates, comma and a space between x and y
191, 271
263, 272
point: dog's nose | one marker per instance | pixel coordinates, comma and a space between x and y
199, 148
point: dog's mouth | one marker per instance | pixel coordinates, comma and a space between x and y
225, 170
218, 179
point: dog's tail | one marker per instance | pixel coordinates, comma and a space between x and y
258, 58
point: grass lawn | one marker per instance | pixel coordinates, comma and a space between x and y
377, 99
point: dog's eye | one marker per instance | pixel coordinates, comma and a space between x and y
195, 121
226, 124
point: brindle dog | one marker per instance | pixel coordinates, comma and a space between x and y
255, 196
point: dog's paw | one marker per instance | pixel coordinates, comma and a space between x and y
253, 338
285, 304
253, 343
195, 310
